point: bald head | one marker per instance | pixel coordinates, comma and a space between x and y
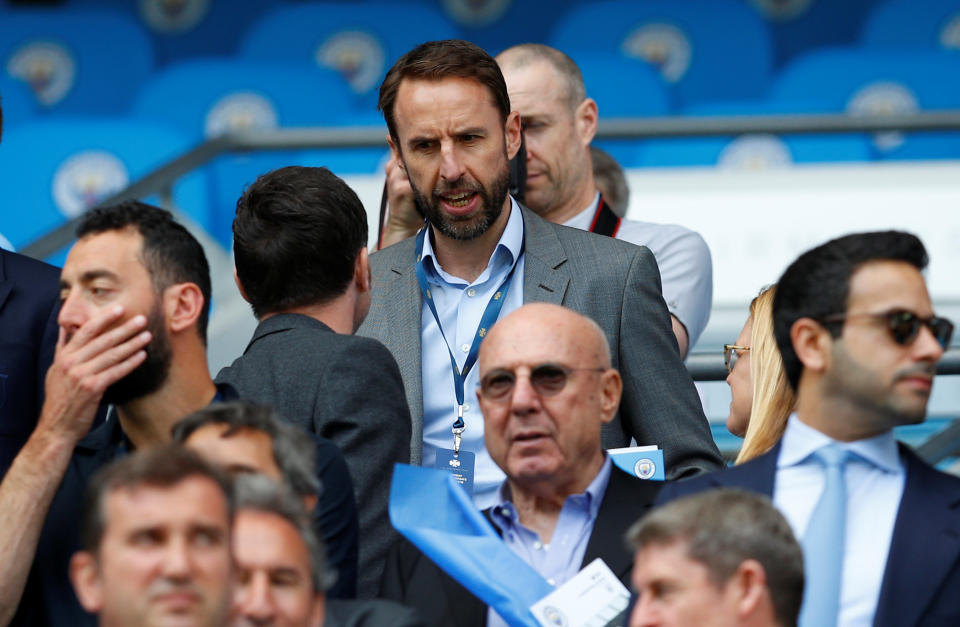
546, 390
567, 76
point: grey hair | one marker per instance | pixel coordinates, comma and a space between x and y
293, 450
262, 494
525, 54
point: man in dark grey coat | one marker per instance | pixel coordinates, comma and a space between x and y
300, 247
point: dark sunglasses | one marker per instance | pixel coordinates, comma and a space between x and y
731, 354
904, 326
546, 379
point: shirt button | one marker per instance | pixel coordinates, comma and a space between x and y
471, 292
465, 348
466, 407
537, 545
552, 582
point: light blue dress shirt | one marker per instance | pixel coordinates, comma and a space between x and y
460, 305
875, 478
559, 560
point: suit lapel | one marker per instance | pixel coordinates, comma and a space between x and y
924, 546
545, 277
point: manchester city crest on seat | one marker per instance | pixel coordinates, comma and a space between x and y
883, 98
172, 17
950, 33
47, 67
476, 13
782, 10
755, 152
241, 111
87, 178
357, 55
662, 45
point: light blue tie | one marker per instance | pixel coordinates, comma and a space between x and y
824, 542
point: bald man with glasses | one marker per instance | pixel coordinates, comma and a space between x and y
546, 389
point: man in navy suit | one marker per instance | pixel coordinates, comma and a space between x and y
860, 343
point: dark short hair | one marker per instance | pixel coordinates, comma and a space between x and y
817, 284
161, 467
721, 529
170, 253
262, 494
436, 60
294, 450
296, 238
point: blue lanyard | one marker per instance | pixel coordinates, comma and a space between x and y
490, 315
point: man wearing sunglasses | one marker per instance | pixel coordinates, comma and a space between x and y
546, 389
879, 527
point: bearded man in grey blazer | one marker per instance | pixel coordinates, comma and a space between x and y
483, 255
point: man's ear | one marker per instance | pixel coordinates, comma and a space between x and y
611, 388
747, 589
512, 131
395, 152
183, 304
812, 344
85, 577
585, 118
361, 271
236, 279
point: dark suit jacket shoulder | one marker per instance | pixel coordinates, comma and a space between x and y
29, 305
371, 613
615, 283
413, 579
344, 388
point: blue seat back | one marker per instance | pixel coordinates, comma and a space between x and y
913, 24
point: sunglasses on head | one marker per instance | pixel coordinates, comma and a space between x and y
546, 379
904, 326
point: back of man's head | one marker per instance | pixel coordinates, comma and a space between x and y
293, 450
296, 238
170, 253
722, 530
817, 284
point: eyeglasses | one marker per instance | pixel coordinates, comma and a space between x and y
904, 326
546, 379
731, 355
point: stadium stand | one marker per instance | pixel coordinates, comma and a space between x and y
913, 24
19, 104
495, 25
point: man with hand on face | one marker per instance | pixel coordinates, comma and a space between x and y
559, 121
135, 293
725, 558
243, 438
546, 389
436, 296
280, 564
860, 344
156, 542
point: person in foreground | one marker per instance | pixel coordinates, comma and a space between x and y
761, 397
156, 542
280, 568
860, 343
243, 437
135, 293
718, 559
546, 389
482, 256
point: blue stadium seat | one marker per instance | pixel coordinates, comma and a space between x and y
797, 26
495, 25
705, 49
913, 24
362, 41
753, 151
17, 100
864, 82
56, 168
77, 61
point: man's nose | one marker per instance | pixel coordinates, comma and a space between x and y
72, 314
451, 163
926, 347
177, 563
524, 398
256, 602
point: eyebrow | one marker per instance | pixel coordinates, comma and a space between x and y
91, 275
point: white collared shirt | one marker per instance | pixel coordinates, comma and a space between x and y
874, 491
686, 269
460, 306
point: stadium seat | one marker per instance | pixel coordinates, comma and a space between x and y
495, 25
359, 40
865, 82
57, 168
17, 100
705, 49
913, 24
77, 61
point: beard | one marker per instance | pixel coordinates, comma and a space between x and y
466, 227
152, 373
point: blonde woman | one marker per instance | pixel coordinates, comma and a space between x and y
761, 397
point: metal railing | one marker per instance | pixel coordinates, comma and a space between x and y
702, 366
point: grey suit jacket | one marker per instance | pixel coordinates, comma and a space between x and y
613, 282
343, 388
